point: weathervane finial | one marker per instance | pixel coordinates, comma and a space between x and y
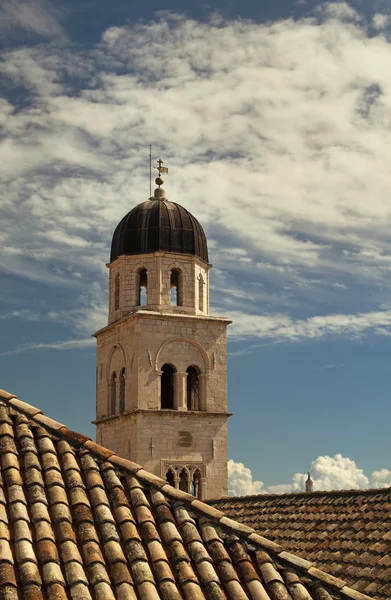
159, 192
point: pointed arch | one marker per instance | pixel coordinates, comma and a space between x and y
184, 480
170, 477
196, 484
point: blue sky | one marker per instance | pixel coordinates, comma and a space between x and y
274, 120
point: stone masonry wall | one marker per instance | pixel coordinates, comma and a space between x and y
153, 439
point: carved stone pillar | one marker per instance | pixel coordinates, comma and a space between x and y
180, 385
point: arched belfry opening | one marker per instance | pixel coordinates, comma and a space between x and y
192, 389
167, 387
116, 291
201, 293
122, 391
113, 393
184, 480
176, 287
142, 288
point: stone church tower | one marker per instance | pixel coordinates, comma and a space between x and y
161, 360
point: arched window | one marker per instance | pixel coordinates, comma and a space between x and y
176, 288
142, 293
201, 293
167, 387
116, 292
196, 484
192, 389
122, 391
113, 393
184, 480
170, 477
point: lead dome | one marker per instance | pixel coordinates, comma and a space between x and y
159, 225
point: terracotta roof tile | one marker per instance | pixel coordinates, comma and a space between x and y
77, 521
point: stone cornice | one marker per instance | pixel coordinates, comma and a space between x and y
159, 411
162, 316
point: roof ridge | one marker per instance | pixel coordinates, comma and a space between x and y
349, 492
206, 510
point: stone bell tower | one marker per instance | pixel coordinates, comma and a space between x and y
161, 360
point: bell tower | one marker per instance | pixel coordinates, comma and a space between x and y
161, 360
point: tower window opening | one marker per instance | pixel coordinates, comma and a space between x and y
176, 288
192, 389
196, 484
170, 478
201, 293
142, 296
184, 481
167, 387
113, 393
116, 291
122, 391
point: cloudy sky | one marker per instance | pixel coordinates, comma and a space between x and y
275, 122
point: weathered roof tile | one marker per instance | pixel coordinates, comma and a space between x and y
102, 526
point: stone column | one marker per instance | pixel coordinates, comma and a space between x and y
180, 384
202, 381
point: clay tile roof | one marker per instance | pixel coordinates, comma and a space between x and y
346, 534
76, 521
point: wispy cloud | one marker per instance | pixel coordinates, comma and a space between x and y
276, 135
61, 345
38, 16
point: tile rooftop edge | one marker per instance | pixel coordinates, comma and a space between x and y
246, 533
315, 493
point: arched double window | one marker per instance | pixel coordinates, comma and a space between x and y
167, 387
192, 389
176, 288
142, 288
116, 291
122, 391
113, 393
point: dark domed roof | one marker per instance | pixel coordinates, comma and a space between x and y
159, 225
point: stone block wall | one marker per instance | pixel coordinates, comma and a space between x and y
144, 341
155, 440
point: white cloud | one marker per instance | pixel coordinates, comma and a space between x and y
327, 472
240, 482
381, 478
380, 21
